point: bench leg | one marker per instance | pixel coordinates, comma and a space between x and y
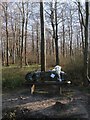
32, 89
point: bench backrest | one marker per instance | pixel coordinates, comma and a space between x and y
42, 76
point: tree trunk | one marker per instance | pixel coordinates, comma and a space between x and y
37, 44
85, 24
81, 25
21, 57
53, 26
2, 51
86, 43
43, 49
26, 35
32, 40
13, 44
77, 42
7, 64
53, 46
63, 35
19, 40
71, 34
56, 36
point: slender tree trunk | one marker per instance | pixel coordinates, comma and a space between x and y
53, 26
55, 31
81, 26
71, 34
53, 46
37, 44
86, 43
22, 35
13, 46
2, 52
63, 35
84, 25
61, 46
63, 42
82, 38
43, 49
56, 36
26, 35
77, 43
19, 41
7, 64
49, 45
32, 40
16, 45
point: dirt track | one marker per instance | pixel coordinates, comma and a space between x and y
22, 105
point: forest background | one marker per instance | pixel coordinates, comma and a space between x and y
38, 35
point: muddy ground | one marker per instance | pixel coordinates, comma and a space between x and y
46, 103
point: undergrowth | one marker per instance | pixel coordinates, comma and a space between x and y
13, 77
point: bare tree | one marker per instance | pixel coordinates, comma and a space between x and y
81, 21
37, 32
5, 9
33, 47
26, 33
19, 39
71, 30
54, 23
43, 49
14, 40
63, 34
2, 52
56, 35
86, 43
23, 20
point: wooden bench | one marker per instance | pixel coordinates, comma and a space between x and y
44, 78
47, 83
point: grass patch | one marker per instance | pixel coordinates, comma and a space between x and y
13, 77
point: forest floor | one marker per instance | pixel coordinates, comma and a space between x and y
46, 103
